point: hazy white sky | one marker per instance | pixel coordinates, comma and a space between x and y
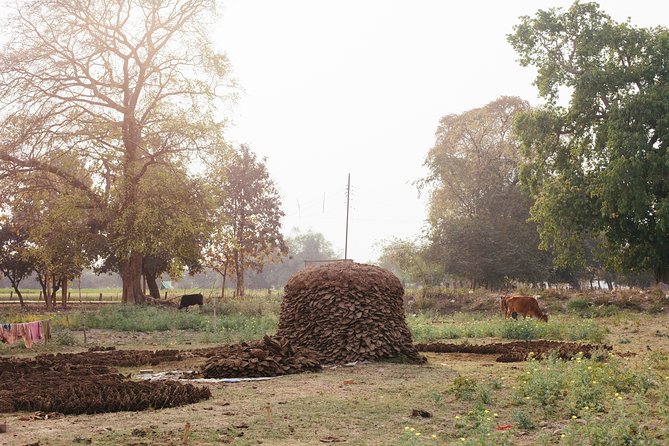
358, 86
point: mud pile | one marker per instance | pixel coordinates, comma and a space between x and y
53, 384
518, 351
271, 356
347, 312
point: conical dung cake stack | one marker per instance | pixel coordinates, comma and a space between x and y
348, 312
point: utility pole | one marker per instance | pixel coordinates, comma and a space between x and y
348, 199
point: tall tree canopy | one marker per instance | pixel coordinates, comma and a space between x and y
120, 89
248, 218
598, 166
478, 213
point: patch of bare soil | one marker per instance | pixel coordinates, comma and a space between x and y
517, 351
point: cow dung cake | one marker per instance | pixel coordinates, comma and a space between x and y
347, 312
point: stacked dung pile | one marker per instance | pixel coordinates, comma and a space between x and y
348, 312
56, 385
271, 356
113, 357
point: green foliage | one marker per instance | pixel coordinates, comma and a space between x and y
614, 428
523, 420
587, 309
228, 327
597, 167
426, 329
580, 386
463, 388
523, 330
248, 216
108, 157
14, 263
477, 429
409, 261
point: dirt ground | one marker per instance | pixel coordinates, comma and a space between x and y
362, 404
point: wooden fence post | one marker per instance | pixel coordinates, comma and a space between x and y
100, 297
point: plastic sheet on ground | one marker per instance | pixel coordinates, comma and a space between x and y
181, 375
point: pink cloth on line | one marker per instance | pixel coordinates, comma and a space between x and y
35, 333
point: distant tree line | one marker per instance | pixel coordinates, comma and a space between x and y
302, 247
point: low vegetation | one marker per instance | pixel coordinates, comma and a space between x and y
460, 326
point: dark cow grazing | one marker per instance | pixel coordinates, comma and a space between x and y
191, 299
525, 305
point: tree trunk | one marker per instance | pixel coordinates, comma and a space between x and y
662, 275
240, 274
131, 275
43, 281
225, 275
18, 293
152, 283
63, 296
55, 286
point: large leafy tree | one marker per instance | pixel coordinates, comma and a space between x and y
597, 166
478, 213
59, 243
249, 216
125, 89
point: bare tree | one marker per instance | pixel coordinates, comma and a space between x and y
122, 86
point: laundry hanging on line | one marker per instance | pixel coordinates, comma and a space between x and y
28, 331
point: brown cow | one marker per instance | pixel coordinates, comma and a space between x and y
504, 306
525, 305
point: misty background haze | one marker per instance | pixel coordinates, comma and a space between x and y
331, 88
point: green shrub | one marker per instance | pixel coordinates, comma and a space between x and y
523, 420
463, 388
